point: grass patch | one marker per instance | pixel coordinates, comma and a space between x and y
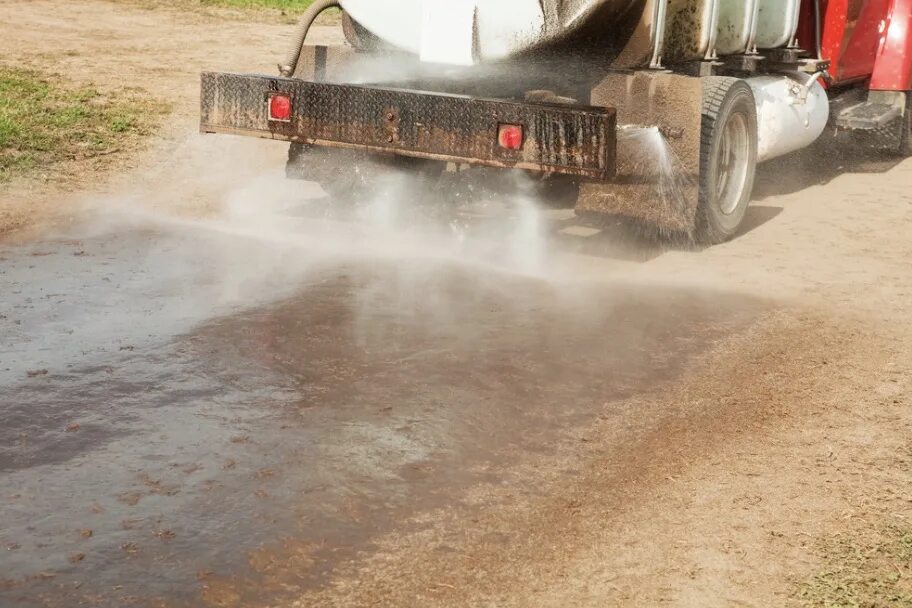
43, 123
285, 7
282, 11
867, 573
292, 6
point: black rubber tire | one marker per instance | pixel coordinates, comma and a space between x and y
349, 176
344, 175
720, 215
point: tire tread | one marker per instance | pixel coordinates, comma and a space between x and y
715, 92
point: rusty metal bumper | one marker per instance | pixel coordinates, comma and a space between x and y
571, 140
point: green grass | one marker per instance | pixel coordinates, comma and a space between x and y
43, 122
863, 573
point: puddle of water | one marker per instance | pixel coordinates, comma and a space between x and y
192, 438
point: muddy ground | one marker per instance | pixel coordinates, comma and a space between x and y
217, 390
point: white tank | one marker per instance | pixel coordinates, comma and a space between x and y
465, 31
626, 33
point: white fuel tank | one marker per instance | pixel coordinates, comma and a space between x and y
792, 112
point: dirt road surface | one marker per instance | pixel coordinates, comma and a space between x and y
216, 391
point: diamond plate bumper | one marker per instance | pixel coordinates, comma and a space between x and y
571, 140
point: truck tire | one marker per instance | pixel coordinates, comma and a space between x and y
350, 176
346, 176
728, 157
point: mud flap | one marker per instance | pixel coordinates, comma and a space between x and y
658, 150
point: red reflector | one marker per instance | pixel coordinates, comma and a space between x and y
510, 137
280, 108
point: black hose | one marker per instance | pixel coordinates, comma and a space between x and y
818, 29
287, 68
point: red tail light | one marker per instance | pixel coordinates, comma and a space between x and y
510, 137
280, 108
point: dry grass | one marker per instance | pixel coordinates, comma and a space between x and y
282, 5
44, 123
863, 571
285, 11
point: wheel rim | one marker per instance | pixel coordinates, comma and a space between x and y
732, 163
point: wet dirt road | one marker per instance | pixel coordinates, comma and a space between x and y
182, 423
239, 416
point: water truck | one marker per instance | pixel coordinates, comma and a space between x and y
654, 110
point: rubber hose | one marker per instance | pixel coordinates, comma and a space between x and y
287, 68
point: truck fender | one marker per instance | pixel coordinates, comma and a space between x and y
893, 65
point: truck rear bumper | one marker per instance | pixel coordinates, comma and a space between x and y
571, 140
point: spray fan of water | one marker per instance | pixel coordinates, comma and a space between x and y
645, 155
268, 227
396, 223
